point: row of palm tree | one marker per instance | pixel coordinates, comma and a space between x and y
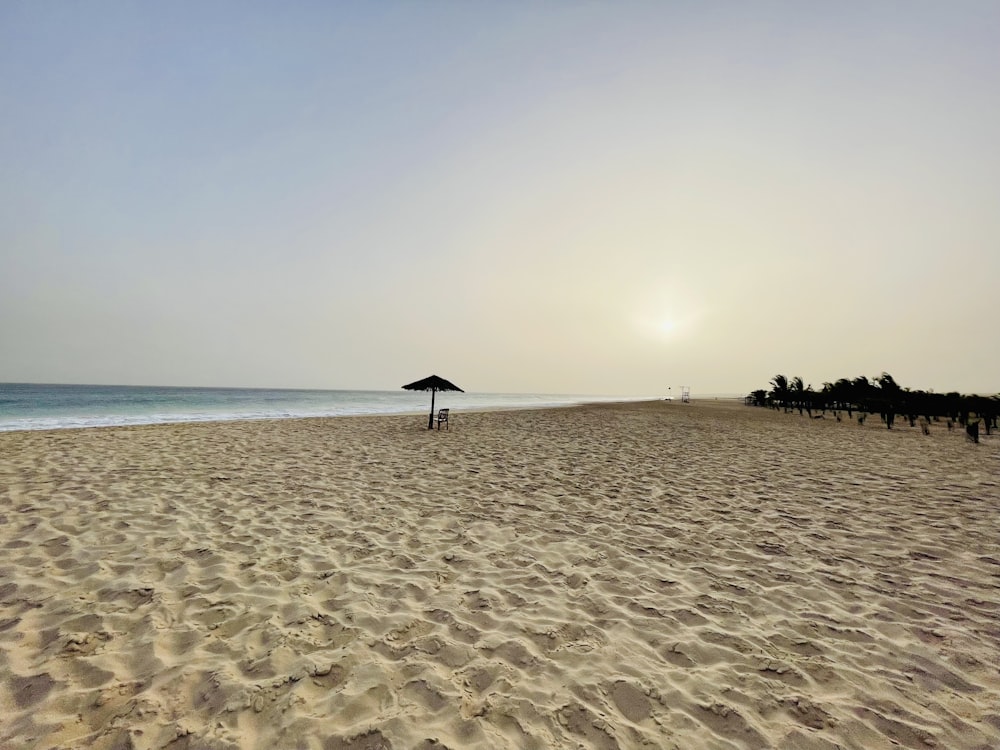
881, 395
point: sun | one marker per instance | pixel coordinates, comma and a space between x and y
670, 325
665, 315
659, 327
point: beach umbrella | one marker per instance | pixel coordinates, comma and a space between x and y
432, 384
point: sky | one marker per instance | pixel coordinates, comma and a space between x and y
550, 197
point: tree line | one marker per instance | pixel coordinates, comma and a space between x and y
882, 396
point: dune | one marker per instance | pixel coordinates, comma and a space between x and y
701, 576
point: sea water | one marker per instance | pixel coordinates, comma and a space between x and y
29, 406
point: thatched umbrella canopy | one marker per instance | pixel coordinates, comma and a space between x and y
432, 384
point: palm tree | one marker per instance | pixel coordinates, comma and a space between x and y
842, 394
811, 399
779, 389
798, 388
891, 396
826, 399
861, 392
888, 384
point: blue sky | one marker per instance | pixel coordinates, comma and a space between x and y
609, 198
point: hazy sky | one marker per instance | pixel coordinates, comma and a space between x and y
574, 197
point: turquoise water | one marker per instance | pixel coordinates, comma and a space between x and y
28, 406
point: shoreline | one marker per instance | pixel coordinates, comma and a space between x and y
380, 415
40, 407
699, 575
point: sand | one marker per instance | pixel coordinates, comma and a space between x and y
653, 575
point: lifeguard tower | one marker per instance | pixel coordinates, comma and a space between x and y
685, 394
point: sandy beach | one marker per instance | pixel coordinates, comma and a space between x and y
662, 575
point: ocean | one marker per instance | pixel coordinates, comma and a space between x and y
30, 406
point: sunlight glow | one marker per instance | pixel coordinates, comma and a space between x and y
667, 326
663, 327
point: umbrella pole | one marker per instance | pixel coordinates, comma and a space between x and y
430, 419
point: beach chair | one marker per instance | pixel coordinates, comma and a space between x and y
443, 418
